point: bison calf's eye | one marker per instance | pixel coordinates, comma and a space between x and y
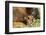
29, 20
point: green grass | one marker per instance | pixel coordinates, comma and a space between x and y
36, 23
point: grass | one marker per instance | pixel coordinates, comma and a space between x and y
36, 23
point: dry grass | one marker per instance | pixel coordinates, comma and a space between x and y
36, 23
18, 25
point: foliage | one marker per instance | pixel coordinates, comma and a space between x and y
36, 23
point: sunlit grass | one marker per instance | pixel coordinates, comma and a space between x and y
36, 23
